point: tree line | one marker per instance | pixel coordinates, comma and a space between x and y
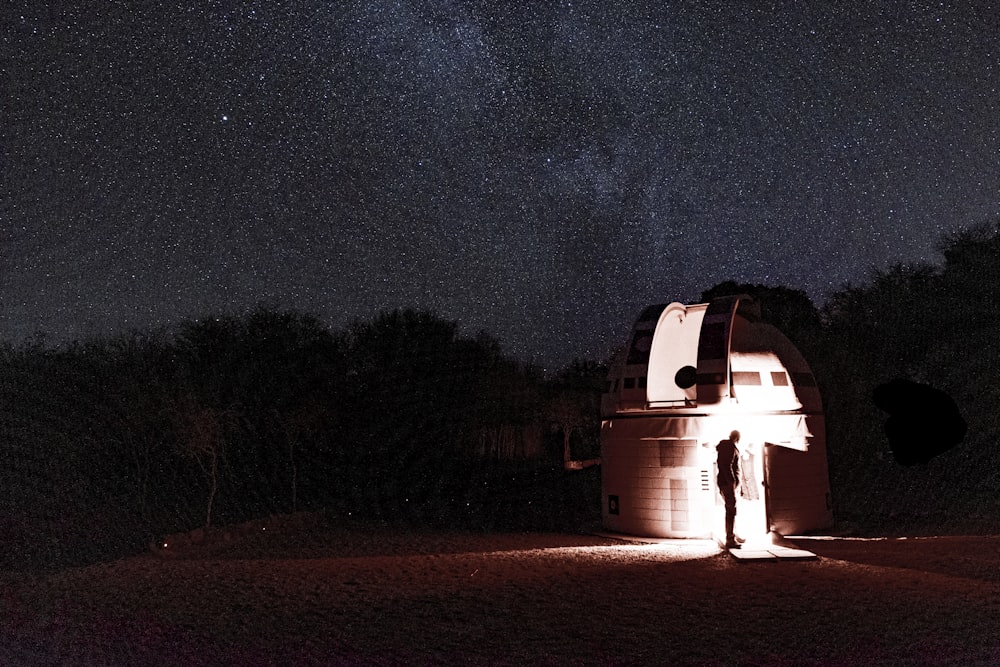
232, 418
108, 442
937, 325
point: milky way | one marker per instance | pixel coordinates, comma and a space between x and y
540, 171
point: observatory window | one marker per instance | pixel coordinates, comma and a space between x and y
746, 377
803, 380
779, 378
629, 383
641, 382
686, 377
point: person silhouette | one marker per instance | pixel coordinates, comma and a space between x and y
728, 477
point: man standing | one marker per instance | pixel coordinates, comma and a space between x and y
728, 478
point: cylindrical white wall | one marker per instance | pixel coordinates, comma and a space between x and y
659, 488
666, 487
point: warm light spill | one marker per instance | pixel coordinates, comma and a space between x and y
667, 550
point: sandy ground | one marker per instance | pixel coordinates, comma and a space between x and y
302, 593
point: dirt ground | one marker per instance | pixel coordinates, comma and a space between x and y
304, 592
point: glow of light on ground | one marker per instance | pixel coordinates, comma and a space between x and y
672, 550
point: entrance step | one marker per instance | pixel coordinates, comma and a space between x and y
772, 552
778, 549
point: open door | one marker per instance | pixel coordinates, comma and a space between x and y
752, 523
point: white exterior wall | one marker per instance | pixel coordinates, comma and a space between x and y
663, 487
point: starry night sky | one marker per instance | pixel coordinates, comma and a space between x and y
539, 170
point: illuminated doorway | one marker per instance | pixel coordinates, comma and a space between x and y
751, 496
752, 519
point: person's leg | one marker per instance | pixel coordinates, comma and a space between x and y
729, 496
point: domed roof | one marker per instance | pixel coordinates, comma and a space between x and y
682, 357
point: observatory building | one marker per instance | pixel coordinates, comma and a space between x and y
690, 375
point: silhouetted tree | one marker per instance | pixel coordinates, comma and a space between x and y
790, 310
573, 406
504, 420
140, 377
202, 434
269, 366
301, 424
885, 324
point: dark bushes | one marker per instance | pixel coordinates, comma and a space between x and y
109, 443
